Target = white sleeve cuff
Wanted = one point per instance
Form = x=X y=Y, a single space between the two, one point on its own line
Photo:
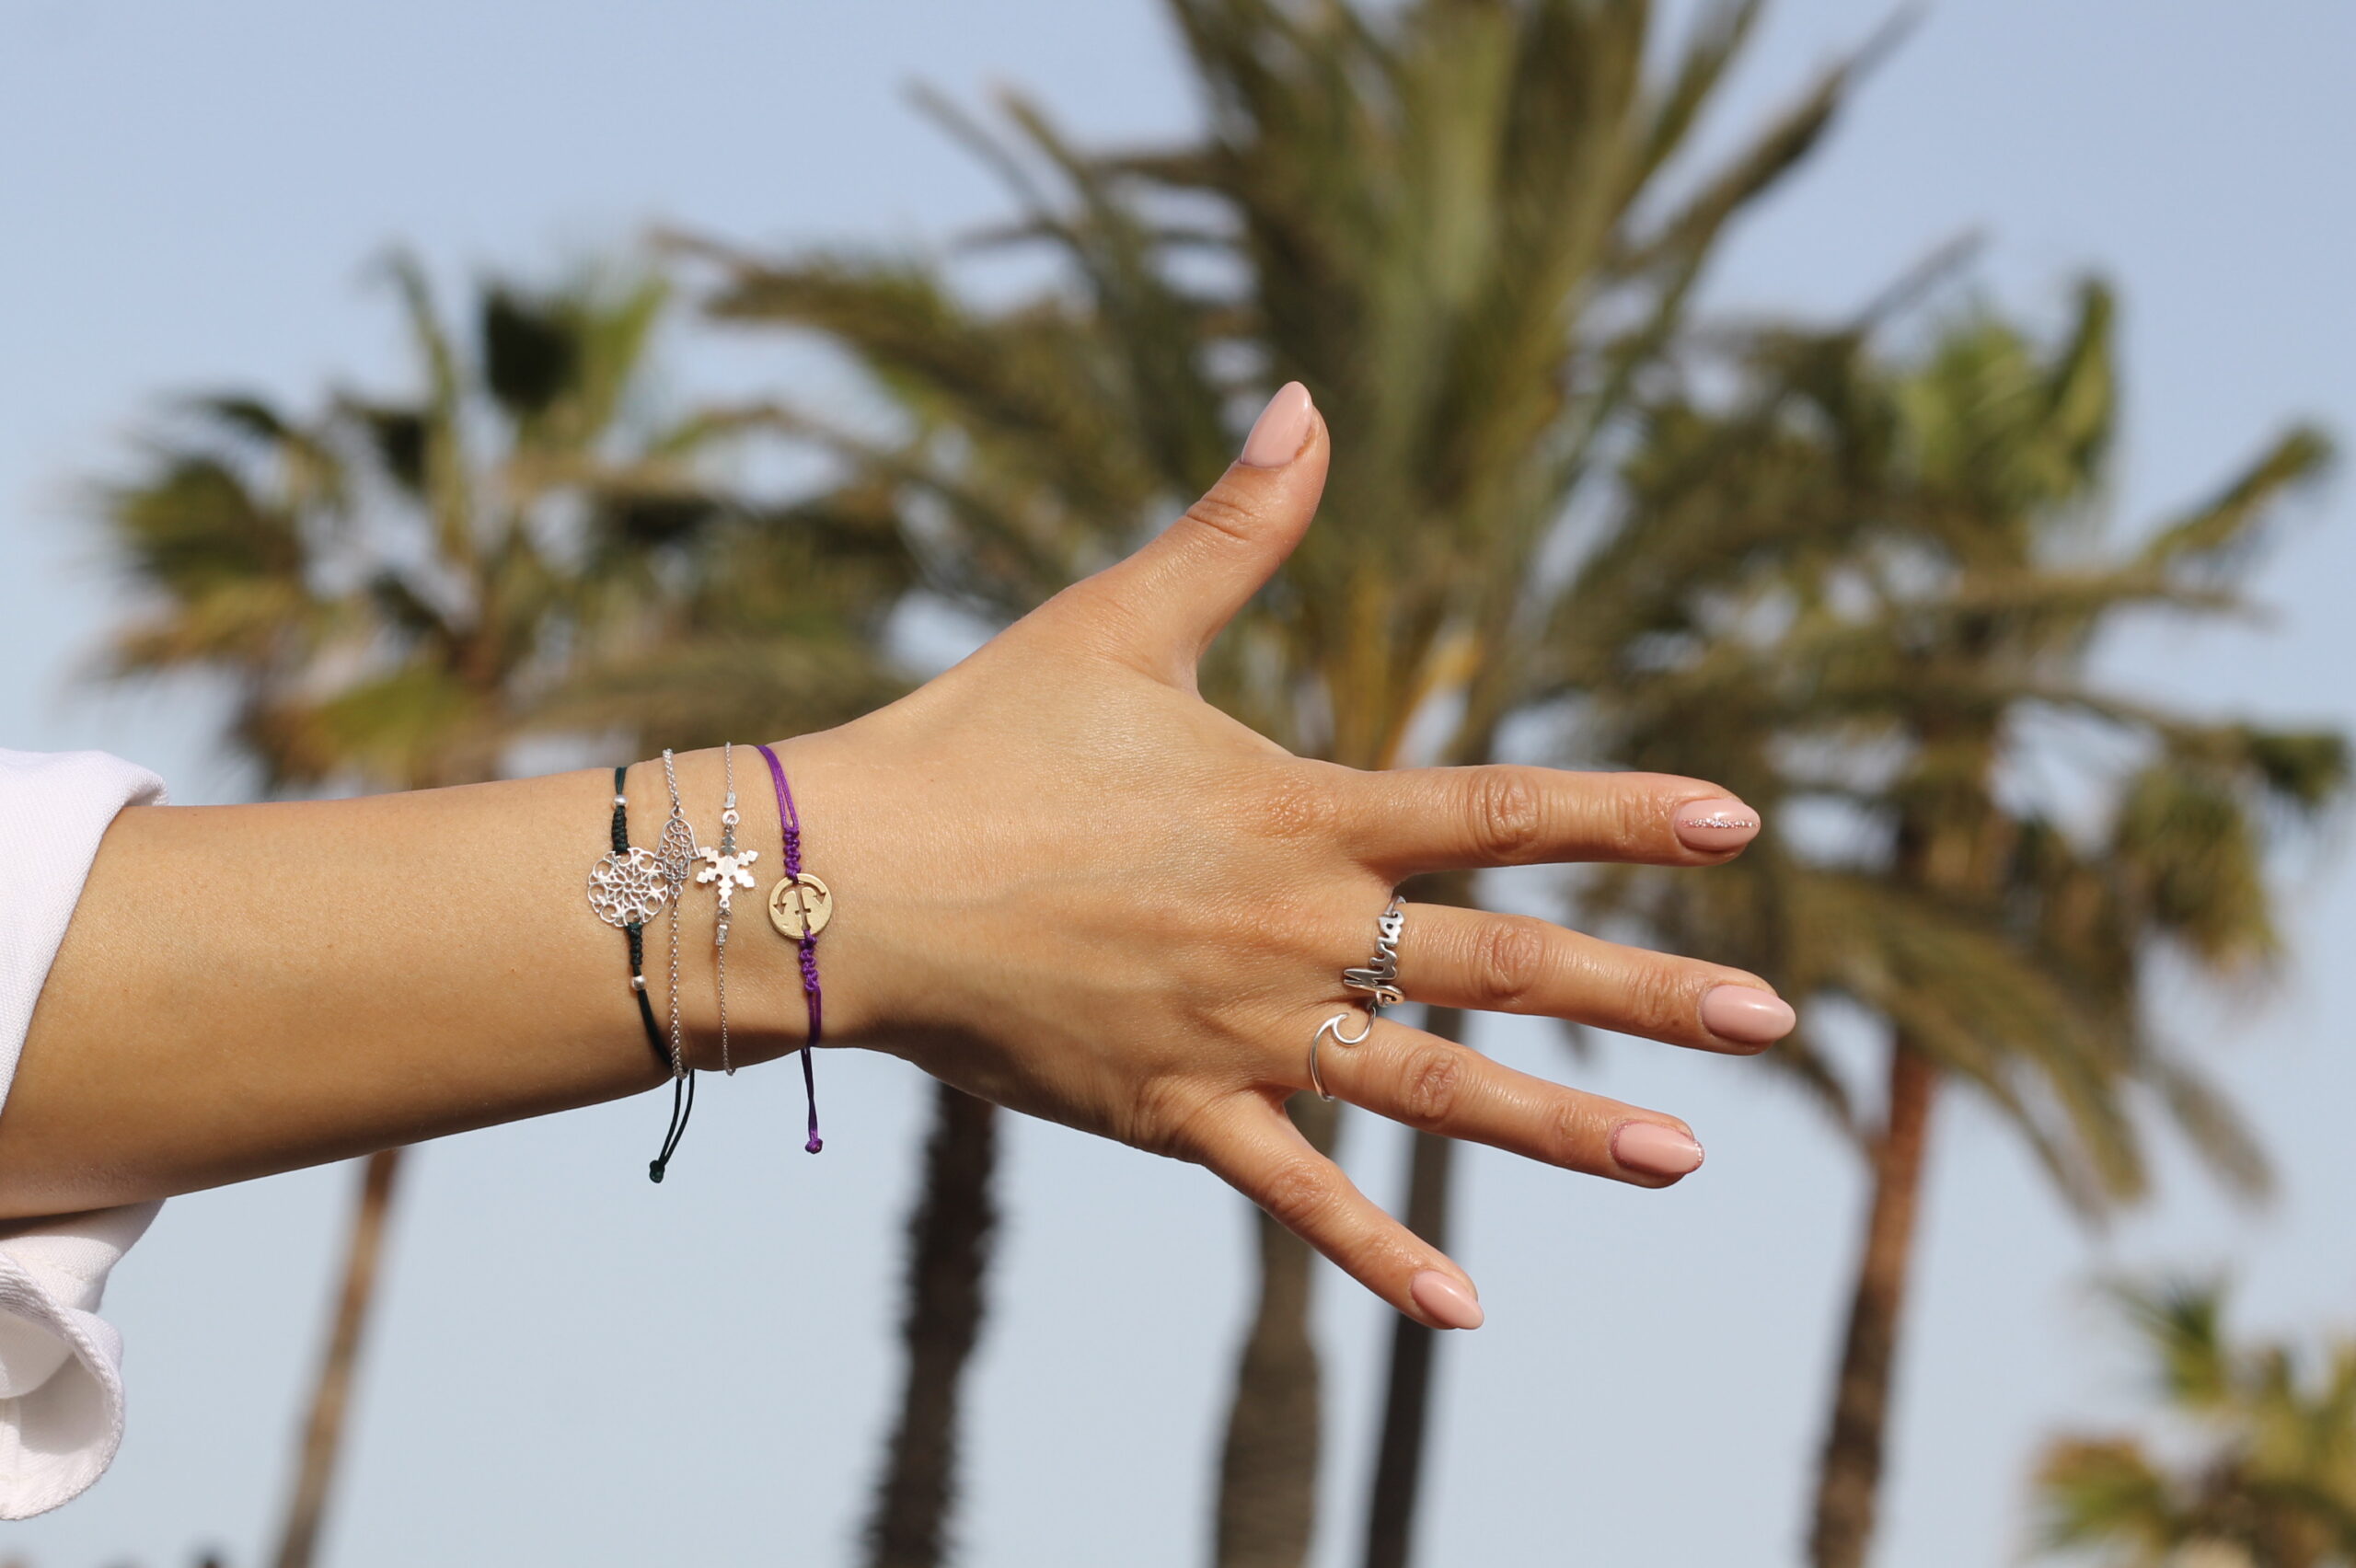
x=61 y=1364
x=60 y=1379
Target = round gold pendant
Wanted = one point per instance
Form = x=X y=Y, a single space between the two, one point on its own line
x=800 y=904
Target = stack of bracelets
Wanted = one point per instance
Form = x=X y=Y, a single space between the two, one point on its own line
x=630 y=886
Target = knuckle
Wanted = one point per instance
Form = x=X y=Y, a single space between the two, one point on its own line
x=1573 y=1138
x=1296 y=1193
x=1224 y=519
x=1299 y=805
x=1661 y=1003
x=1238 y=965
x=1635 y=816
x=1508 y=959
x=1431 y=1082
x=1508 y=816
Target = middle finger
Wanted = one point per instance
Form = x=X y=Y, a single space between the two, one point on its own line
x=1470 y=958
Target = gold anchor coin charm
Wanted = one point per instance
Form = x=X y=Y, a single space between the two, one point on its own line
x=800 y=904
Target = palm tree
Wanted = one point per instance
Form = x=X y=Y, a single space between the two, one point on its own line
x=396 y=590
x=2005 y=844
x=2269 y=1477
x=948 y=1245
x=1468 y=225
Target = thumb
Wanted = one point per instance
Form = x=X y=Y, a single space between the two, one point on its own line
x=1174 y=595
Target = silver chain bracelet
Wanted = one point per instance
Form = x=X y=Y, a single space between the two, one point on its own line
x=724 y=871
x=677 y=851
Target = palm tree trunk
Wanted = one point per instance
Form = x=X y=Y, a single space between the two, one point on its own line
x=331 y=1397
x=1849 y=1483
x=949 y=1246
x=1267 y=1493
x=1406 y=1401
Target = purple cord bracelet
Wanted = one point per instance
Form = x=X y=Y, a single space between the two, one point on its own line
x=791 y=822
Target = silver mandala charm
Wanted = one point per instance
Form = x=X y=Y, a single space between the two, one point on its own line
x=629 y=888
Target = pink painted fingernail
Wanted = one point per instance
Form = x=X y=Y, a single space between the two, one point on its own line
x=1747 y=1015
x=1718 y=823
x=1653 y=1150
x=1445 y=1302
x=1281 y=430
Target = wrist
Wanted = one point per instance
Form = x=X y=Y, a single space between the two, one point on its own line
x=767 y=1007
x=842 y=847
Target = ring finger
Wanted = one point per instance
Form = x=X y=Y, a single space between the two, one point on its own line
x=1438 y=1086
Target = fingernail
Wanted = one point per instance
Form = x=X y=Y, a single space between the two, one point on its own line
x=1282 y=428
x=1746 y=1014
x=1653 y=1150
x=1444 y=1301
x=1720 y=822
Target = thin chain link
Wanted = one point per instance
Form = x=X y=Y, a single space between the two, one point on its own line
x=679 y=849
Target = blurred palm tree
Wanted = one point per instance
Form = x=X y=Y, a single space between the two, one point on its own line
x=1472 y=227
x=2260 y=1470
x=396 y=591
x=1988 y=851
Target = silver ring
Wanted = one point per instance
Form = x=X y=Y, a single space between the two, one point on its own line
x=1379 y=980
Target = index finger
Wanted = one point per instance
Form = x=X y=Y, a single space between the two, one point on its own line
x=1432 y=819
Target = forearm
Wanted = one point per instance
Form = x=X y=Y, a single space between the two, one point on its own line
x=247 y=989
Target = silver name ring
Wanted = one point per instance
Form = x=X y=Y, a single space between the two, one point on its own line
x=1377 y=980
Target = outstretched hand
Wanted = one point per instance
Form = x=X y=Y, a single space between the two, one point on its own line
x=1073 y=887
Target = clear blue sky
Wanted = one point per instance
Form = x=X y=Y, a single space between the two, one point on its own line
x=572 y=1366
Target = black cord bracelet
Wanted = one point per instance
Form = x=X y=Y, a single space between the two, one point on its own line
x=637 y=931
x=624 y=888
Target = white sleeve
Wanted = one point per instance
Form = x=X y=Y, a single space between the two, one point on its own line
x=61 y=1378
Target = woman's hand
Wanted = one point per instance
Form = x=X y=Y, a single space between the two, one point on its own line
x=1069 y=885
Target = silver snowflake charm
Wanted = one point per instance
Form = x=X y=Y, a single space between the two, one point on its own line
x=724 y=871
x=628 y=888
